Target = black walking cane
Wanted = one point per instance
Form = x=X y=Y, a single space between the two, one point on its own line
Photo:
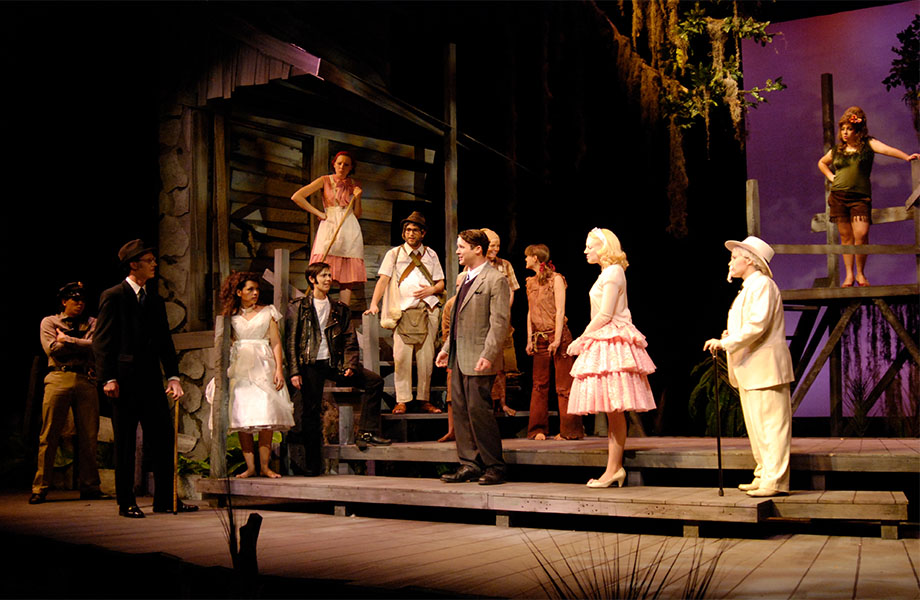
x=715 y=371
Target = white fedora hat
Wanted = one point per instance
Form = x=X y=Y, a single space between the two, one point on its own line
x=757 y=247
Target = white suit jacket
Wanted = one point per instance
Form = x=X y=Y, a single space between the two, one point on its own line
x=758 y=356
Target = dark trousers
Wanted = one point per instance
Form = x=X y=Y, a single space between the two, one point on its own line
x=307 y=432
x=143 y=402
x=479 y=442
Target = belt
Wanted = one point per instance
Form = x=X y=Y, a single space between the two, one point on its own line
x=80 y=370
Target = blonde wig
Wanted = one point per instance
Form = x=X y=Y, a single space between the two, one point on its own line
x=610 y=253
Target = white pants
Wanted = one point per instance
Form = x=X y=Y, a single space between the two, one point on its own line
x=768 y=419
x=424 y=362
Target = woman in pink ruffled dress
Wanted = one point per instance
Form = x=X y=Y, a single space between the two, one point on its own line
x=345 y=251
x=611 y=372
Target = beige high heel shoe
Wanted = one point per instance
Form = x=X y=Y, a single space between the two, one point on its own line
x=619 y=477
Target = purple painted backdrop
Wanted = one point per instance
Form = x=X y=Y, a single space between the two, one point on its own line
x=786 y=139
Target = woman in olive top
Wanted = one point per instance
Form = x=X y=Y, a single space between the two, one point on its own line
x=848 y=166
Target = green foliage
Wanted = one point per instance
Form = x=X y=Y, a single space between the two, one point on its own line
x=905 y=69
x=703 y=398
x=708 y=69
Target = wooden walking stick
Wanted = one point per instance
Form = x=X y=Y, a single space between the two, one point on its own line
x=176 y=457
x=715 y=371
x=339 y=226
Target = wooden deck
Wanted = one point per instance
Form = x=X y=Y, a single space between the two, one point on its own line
x=687 y=505
x=387 y=558
x=815 y=455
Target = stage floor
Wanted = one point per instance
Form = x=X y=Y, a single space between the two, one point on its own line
x=462 y=559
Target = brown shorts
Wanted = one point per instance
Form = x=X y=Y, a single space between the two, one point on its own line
x=848 y=207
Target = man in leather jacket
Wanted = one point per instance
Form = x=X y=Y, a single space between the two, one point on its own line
x=321 y=344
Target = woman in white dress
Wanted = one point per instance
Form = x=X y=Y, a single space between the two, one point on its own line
x=259 y=400
x=611 y=372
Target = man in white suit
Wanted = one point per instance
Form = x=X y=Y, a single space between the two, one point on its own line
x=759 y=364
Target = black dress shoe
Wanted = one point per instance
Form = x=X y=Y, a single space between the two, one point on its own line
x=492 y=477
x=36 y=498
x=132 y=512
x=181 y=507
x=363 y=440
x=464 y=473
x=94 y=495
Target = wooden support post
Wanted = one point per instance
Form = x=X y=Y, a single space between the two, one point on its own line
x=370 y=331
x=451 y=228
x=691 y=529
x=833 y=263
x=818 y=481
x=915 y=204
x=889 y=530
x=341 y=510
x=634 y=478
x=503 y=519
x=282 y=276
x=221 y=204
x=346 y=424
x=319 y=165
x=830 y=136
x=753 y=207
x=835 y=380
x=220 y=407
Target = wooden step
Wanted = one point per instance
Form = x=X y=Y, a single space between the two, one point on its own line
x=815 y=455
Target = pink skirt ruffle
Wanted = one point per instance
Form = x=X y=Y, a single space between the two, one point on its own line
x=344 y=270
x=611 y=373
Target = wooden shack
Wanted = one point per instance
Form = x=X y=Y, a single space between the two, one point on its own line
x=248 y=119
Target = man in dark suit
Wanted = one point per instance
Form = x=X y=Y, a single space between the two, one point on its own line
x=479 y=327
x=132 y=340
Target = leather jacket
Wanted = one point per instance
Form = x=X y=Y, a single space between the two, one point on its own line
x=302 y=328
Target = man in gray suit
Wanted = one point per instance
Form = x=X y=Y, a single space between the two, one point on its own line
x=478 y=328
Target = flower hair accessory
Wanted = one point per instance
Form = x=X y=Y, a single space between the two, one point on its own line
x=854 y=118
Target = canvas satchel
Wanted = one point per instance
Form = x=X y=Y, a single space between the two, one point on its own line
x=391 y=313
x=413 y=326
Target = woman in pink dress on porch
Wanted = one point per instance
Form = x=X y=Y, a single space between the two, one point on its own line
x=344 y=253
x=611 y=372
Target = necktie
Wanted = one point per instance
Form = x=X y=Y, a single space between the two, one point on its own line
x=142 y=297
x=460 y=296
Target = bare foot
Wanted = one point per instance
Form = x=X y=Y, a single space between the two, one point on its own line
x=508 y=410
x=558 y=437
x=246 y=473
x=539 y=436
x=270 y=474
x=848 y=282
x=861 y=281
x=448 y=437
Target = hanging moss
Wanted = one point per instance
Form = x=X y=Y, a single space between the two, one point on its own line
x=676 y=78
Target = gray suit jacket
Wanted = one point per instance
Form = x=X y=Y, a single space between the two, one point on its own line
x=482 y=323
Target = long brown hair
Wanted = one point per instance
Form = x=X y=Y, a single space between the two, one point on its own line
x=545 y=270
x=236 y=281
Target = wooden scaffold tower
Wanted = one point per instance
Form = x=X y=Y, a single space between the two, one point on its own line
x=827 y=308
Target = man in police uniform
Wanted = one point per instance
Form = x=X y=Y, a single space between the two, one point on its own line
x=67 y=338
